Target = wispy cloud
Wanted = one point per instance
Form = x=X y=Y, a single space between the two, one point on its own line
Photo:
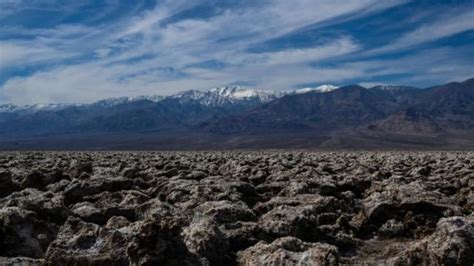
x=446 y=25
x=162 y=50
x=294 y=56
x=9 y=7
x=16 y=54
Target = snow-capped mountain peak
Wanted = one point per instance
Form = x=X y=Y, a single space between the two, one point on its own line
x=11 y=108
x=121 y=100
x=224 y=95
x=236 y=92
x=212 y=97
x=6 y=108
x=226 y=91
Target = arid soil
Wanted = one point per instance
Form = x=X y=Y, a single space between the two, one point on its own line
x=236 y=208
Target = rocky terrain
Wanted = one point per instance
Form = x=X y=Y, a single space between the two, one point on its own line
x=236 y=208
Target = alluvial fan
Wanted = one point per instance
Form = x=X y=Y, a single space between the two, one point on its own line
x=236 y=208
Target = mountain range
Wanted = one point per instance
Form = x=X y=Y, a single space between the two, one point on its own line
x=233 y=117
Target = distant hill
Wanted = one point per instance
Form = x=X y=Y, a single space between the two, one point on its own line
x=233 y=117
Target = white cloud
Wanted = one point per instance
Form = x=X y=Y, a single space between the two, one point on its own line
x=144 y=23
x=133 y=56
x=15 y=54
x=432 y=66
x=10 y=7
x=294 y=56
x=92 y=81
x=445 y=26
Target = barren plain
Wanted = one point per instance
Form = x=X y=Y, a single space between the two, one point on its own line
x=237 y=208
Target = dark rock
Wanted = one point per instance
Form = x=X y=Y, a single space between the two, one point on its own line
x=100 y=207
x=230 y=207
x=22 y=234
x=7 y=186
x=117 y=222
x=33 y=180
x=80 y=243
x=392 y=228
x=48 y=206
x=81 y=170
x=242 y=235
x=226 y=212
x=300 y=222
x=289 y=251
x=204 y=239
x=398 y=201
x=158 y=244
x=38 y=179
x=78 y=189
x=21 y=261
x=451 y=244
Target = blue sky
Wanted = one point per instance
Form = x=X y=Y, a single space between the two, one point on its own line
x=82 y=51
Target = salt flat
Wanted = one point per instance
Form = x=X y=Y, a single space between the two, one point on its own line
x=236 y=207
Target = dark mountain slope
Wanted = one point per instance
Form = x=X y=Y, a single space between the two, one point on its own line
x=451 y=105
x=135 y=116
x=407 y=122
x=342 y=108
x=348 y=117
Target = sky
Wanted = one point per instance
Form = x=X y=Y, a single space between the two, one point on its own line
x=65 y=51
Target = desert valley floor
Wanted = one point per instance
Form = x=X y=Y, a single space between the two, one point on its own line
x=236 y=208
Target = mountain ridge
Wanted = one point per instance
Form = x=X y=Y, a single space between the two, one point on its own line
x=348 y=116
x=232 y=93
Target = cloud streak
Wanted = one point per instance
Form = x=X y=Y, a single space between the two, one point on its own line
x=445 y=26
x=163 y=50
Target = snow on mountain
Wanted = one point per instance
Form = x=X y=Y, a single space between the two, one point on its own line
x=116 y=101
x=8 y=108
x=11 y=108
x=212 y=97
x=239 y=93
x=228 y=95
x=322 y=88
